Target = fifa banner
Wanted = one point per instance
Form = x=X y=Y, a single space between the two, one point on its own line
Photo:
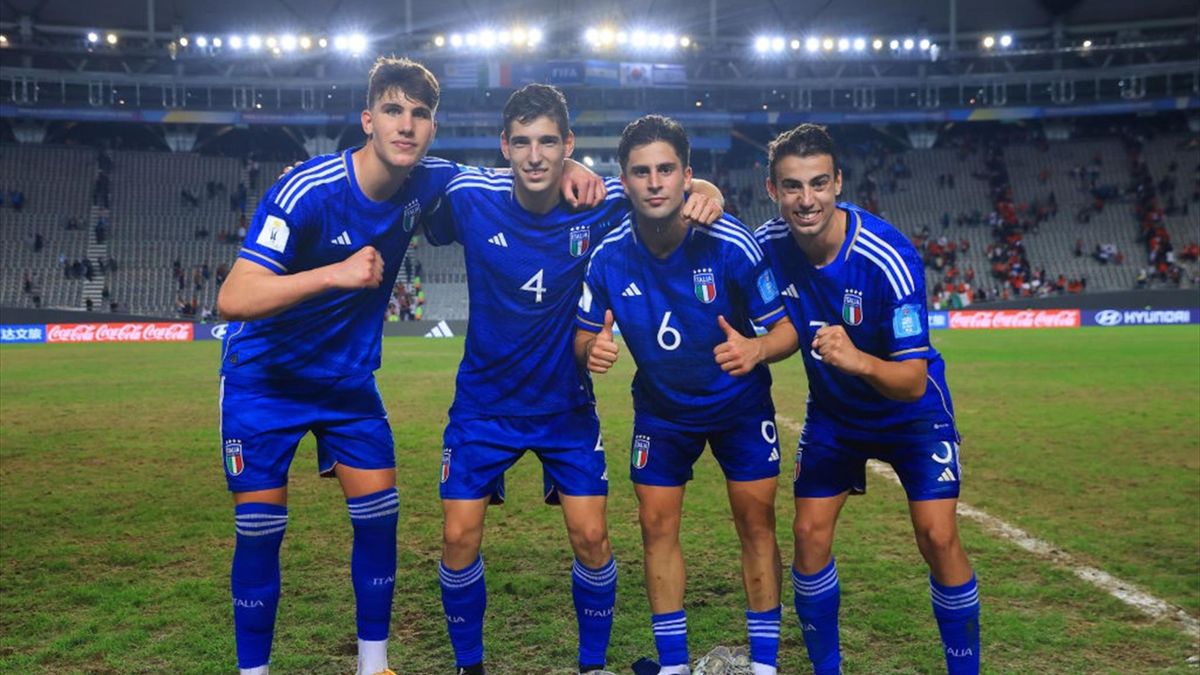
x=1140 y=317
x=120 y=332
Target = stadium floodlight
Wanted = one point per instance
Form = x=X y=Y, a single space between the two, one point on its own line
x=3 y=40
x=272 y=42
x=894 y=44
x=843 y=44
x=685 y=41
x=504 y=37
x=638 y=39
x=305 y=42
x=287 y=42
x=827 y=44
x=622 y=37
x=762 y=44
x=358 y=43
x=699 y=103
x=877 y=44
x=989 y=42
x=201 y=41
x=1087 y=44
x=472 y=39
x=183 y=41
x=254 y=42
x=908 y=44
x=535 y=37
x=341 y=43
x=668 y=41
x=925 y=44
x=93 y=37
x=487 y=38
x=860 y=44
x=1005 y=40
x=111 y=38
x=812 y=44
x=323 y=43
x=777 y=44
x=235 y=41
x=607 y=37
x=592 y=36
x=216 y=42
x=794 y=44
x=456 y=40
x=439 y=40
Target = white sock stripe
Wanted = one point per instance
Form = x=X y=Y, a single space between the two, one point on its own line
x=602 y=575
x=958 y=604
x=384 y=511
x=669 y=625
x=812 y=592
x=763 y=622
x=260 y=533
x=375 y=508
x=597 y=582
x=800 y=583
x=260 y=516
x=974 y=590
x=447 y=573
x=391 y=496
x=460 y=582
x=760 y=634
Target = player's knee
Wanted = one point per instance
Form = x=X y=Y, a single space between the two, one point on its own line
x=757 y=527
x=657 y=524
x=812 y=533
x=462 y=537
x=937 y=541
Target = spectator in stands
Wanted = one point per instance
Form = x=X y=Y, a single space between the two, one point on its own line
x=1079 y=248
x=222 y=272
x=100 y=188
x=189 y=198
x=88 y=304
x=252 y=171
x=201 y=232
x=27 y=284
x=73 y=223
x=111 y=265
x=1105 y=253
x=101 y=231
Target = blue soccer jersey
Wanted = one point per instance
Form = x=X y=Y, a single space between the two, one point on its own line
x=524 y=274
x=875 y=288
x=667 y=311
x=314 y=216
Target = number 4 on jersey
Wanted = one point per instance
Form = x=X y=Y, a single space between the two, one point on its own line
x=534 y=285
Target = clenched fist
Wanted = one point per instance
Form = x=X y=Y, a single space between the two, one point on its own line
x=364 y=269
x=837 y=350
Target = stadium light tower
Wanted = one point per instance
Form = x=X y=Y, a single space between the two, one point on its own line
x=762 y=44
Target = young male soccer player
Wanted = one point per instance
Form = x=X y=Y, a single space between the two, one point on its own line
x=682 y=294
x=306 y=300
x=854 y=287
x=518 y=386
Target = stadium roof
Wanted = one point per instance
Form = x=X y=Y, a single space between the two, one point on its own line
x=735 y=17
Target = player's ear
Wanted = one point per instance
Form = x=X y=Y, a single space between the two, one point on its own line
x=687 y=179
x=504 y=145
x=569 y=143
x=366 y=122
x=771 y=190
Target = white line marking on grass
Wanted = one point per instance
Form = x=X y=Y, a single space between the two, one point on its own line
x=1120 y=589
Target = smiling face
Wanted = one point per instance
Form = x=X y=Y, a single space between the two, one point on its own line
x=537 y=152
x=656 y=181
x=399 y=128
x=806 y=190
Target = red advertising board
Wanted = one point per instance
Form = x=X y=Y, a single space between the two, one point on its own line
x=1014 y=318
x=119 y=332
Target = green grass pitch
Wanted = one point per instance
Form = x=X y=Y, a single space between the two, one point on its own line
x=116 y=531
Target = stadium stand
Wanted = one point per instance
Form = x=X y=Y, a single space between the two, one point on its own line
x=173 y=218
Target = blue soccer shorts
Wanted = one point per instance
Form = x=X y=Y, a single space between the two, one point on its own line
x=477 y=450
x=262 y=422
x=827 y=465
x=663 y=452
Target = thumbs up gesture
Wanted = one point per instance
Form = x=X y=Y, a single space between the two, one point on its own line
x=603 y=350
x=738 y=354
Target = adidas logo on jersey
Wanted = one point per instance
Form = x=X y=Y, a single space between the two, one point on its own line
x=342 y=239
x=791 y=291
x=498 y=240
x=631 y=291
x=947 y=476
x=774 y=455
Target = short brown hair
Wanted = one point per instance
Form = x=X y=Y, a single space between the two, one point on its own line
x=650 y=128
x=533 y=101
x=414 y=79
x=805 y=140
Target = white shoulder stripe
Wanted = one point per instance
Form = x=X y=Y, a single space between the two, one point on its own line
x=291 y=204
x=506 y=179
x=734 y=228
x=301 y=176
x=881 y=242
x=624 y=230
x=455 y=187
x=436 y=161
x=895 y=264
x=736 y=236
x=883 y=266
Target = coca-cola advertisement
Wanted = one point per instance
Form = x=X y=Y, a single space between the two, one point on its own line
x=1014 y=318
x=119 y=332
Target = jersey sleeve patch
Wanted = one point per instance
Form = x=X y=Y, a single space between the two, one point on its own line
x=274 y=234
x=767 y=288
x=906 y=321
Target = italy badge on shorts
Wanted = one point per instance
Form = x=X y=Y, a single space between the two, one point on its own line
x=852 y=307
x=445 y=464
x=234 y=464
x=705 y=284
x=641 y=451
x=581 y=238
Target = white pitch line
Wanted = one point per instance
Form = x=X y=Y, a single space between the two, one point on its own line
x=1120 y=589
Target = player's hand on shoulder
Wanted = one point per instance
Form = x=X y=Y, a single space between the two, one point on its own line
x=287 y=170
x=582 y=189
x=700 y=208
x=364 y=269
x=603 y=350
x=738 y=354
x=838 y=350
